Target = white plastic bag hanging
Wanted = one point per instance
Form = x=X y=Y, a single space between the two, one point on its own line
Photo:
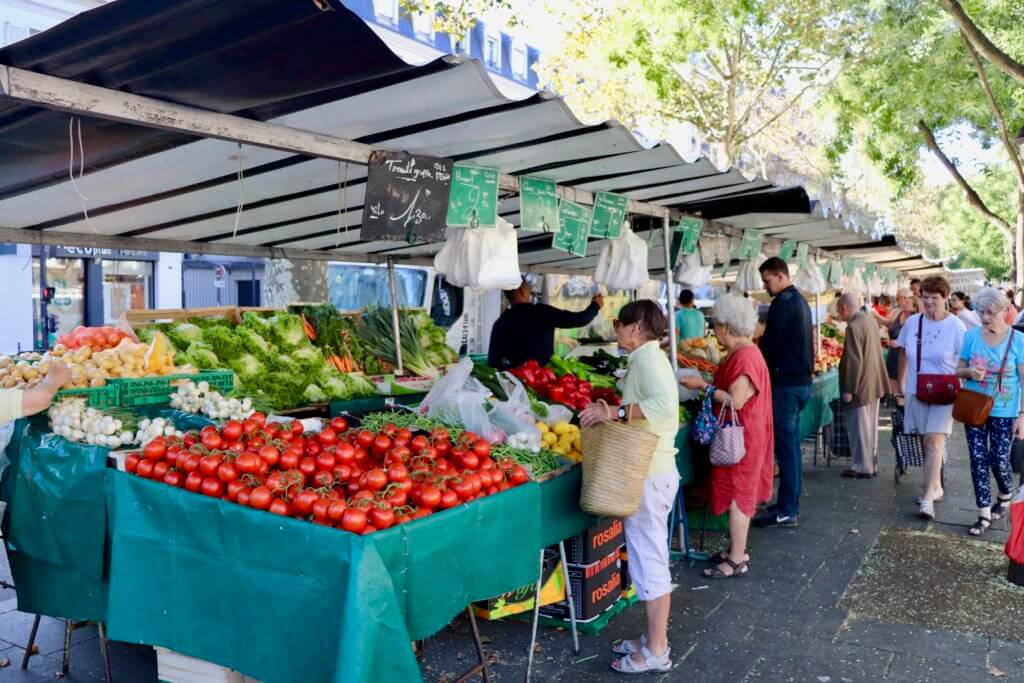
x=623 y=262
x=875 y=286
x=810 y=279
x=691 y=273
x=748 y=279
x=498 y=257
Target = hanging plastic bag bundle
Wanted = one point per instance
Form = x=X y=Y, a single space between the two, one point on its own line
x=622 y=263
x=691 y=272
x=748 y=279
x=481 y=258
x=809 y=279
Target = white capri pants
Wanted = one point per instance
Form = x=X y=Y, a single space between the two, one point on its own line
x=647 y=537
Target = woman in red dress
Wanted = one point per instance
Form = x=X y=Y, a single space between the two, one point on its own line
x=741 y=379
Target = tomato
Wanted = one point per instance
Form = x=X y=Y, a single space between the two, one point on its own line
x=341 y=473
x=160 y=469
x=487 y=463
x=279 y=507
x=390 y=429
x=325 y=461
x=190 y=440
x=365 y=439
x=208 y=465
x=131 y=462
x=382 y=518
x=463 y=488
x=517 y=475
x=323 y=480
x=403 y=434
x=449 y=499
x=361 y=494
x=482 y=448
x=311 y=448
x=503 y=486
x=442 y=465
x=353 y=520
x=286 y=436
x=212 y=487
x=475 y=481
x=430 y=496
x=303 y=502
x=308 y=467
x=247 y=463
x=421 y=513
x=362 y=456
x=155 y=449
x=402 y=519
x=471 y=460
x=320 y=508
x=174 y=478
x=244 y=494
x=376 y=479
x=336 y=510
x=439 y=434
x=180 y=459
x=193 y=482
x=398 y=472
x=296 y=427
x=290 y=458
x=340 y=425
x=345 y=453
x=381 y=445
x=231 y=431
x=233 y=488
x=467 y=438
x=212 y=442
x=418 y=443
x=397 y=497
x=260 y=498
x=443 y=448
x=249 y=426
x=327 y=437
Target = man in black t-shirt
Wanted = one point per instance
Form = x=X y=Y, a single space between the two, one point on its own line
x=526 y=331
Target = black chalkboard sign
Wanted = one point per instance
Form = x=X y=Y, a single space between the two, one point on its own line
x=406 y=197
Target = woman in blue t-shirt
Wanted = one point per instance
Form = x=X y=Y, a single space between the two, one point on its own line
x=981 y=358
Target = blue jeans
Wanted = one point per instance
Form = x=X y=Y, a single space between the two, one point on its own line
x=787 y=402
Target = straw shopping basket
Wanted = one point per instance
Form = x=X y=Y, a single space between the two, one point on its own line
x=615 y=461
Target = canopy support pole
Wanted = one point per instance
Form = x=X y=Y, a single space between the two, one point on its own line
x=666 y=233
x=393 y=286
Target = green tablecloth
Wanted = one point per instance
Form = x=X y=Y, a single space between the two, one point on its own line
x=275 y=598
x=817 y=413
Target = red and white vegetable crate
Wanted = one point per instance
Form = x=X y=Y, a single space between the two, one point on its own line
x=173 y=667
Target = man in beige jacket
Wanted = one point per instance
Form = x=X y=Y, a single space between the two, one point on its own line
x=862 y=381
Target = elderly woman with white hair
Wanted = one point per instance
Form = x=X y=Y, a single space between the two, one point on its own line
x=992 y=363
x=905 y=307
x=741 y=383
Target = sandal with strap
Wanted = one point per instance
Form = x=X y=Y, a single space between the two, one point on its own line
x=980 y=527
x=626 y=647
x=739 y=570
x=723 y=555
x=651 y=663
x=999 y=509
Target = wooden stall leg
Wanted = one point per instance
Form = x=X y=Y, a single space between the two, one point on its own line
x=105 y=649
x=536 y=618
x=569 y=598
x=31 y=642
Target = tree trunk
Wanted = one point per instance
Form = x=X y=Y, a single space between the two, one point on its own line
x=1018 y=243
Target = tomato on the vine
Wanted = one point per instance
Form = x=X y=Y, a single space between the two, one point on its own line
x=260 y=498
x=212 y=487
x=279 y=507
x=131 y=462
x=155 y=449
x=231 y=431
x=174 y=478
x=160 y=468
x=339 y=424
x=353 y=520
x=193 y=482
x=382 y=517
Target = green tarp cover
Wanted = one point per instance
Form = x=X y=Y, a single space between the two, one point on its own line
x=817 y=413
x=560 y=510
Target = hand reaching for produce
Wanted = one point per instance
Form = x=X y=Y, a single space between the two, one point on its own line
x=599 y=300
x=693 y=383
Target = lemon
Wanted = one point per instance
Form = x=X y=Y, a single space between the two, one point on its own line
x=543 y=427
x=549 y=439
x=562 y=428
x=558 y=449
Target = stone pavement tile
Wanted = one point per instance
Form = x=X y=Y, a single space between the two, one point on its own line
x=15 y=628
x=41 y=669
x=963 y=649
x=798 y=668
x=841 y=656
x=912 y=669
x=1008 y=657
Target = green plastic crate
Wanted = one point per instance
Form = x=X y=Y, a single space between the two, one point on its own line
x=96 y=397
x=148 y=391
x=361 y=406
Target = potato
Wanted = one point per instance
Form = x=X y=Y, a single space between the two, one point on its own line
x=97 y=382
x=5 y=361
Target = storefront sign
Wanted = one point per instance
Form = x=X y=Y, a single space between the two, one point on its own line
x=406 y=197
x=100 y=253
x=473 y=200
x=573 y=228
x=609 y=212
x=538 y=204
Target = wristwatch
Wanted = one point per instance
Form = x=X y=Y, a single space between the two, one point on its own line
x=622 y=412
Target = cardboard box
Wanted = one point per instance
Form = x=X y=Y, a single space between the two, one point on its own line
x=521 y=600
x=595 y=588
x=595 y=543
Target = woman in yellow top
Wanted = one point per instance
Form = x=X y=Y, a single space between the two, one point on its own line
x=649 y=399
x=15 y=403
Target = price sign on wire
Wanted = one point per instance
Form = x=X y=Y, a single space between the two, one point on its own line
x=609 y=212
x=538 y=204
x=734 y=250
x=750 y=247
x=691 y=229
x=786 y=252
x=836 y=274
x=849 y=266
x=801 y=255
x=406 y=197
x=473 y=199
x=573 y=228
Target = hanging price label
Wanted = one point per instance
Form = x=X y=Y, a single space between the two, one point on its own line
x=573 y=228
x=786 y=252
x=734 y=250
x=836 y=274
x=849 y=266
x=691 y=229
x=609 y=212
x=750 y=247
x=801 y=255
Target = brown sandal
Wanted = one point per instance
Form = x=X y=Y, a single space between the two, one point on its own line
x=738 y=571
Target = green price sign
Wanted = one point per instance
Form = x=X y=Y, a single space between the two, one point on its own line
x=836 y=274
x=691 y=229
x=786 y=253
x=473 y=199
x=801 y=255
x=573 y=228
x=609 y=212
x=538 y=204
x=750 y=247
x=849 y=266
x=734 y=250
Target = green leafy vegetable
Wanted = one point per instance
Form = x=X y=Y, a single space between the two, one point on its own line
x=286 y=330
x=202 y=356
x=184 y=334
x=249 y=370
x=253 y=342
x=224 y=341
x=314 y=394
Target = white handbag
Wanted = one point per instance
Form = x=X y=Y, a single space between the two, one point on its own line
x=728 y=446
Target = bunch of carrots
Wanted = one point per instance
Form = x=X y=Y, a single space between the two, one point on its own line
x=340 y=363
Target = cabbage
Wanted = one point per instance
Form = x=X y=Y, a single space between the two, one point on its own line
x=255 y=344
x=314 y=394
x=223 y=341
x=202 y=356
x=309 y=358
x=286 y=330
x=359 y=386
x=336 y=388
x=185 y=334
x=257 y=323
x=249 y=370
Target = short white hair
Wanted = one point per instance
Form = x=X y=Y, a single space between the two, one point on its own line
x=850 y=300
x=990 y=299
x=736 y=313
x=905 y=292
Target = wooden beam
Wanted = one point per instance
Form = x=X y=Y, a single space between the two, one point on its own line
x=90 y=100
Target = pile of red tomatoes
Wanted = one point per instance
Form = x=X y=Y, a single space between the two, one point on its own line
x=350 y=479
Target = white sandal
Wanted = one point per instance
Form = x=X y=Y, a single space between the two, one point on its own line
x=626 y=647
x=651 y=663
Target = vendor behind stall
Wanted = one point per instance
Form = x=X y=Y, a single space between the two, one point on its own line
x=690 y=323
x=526 y=331
x=15 y=403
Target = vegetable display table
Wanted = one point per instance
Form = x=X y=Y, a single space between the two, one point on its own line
x=229 y=584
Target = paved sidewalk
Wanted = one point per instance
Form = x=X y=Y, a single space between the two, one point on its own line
x=783 y=622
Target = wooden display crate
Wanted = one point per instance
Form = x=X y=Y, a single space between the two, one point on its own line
x=233 y=313
x=173 y=667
